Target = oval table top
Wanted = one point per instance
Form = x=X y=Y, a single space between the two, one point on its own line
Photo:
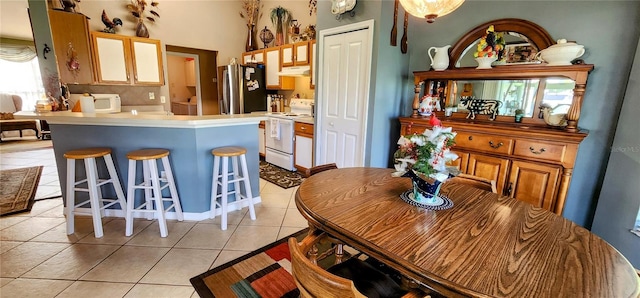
x=486 y=245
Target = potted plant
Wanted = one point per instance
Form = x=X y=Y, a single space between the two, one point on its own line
x=280 y=18
x=251 y=11
x=423 y=158
x=518 y=115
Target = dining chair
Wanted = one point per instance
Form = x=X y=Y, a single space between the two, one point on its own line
x=320 y=168
x=351 y=278
x=475 y=181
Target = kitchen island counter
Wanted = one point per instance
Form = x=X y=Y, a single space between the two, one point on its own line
x=143 y=119
x=190 y=140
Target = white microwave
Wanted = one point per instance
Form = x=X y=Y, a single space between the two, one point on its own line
x=103 y=103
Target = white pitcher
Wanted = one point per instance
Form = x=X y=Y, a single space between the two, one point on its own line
x=441 y=60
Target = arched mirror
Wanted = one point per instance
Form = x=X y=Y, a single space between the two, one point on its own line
x=523 y=40
x=523 y=86
x=521 y=36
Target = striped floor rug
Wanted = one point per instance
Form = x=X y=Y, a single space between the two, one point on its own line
x=18 y=189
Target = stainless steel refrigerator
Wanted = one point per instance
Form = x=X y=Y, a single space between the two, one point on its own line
x=243 y=89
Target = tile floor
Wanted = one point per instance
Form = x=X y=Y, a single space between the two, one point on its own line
x=38 y=259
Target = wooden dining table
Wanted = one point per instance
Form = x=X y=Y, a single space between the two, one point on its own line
x=486 y=245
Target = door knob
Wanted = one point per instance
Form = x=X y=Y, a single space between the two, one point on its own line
x=330 y=123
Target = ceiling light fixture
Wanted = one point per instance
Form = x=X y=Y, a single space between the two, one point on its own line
x=430 y=9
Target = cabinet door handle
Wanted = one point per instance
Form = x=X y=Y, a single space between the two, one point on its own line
x=128 y=77
x=509 y=189
x=533 y=150
x=495 y=146
x=470 y=138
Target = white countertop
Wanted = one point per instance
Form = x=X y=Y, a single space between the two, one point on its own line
x=143 y=119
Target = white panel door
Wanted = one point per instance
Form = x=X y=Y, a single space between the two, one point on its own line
x=345 y=74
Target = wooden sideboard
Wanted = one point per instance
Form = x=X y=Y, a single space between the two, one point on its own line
x=529 y=163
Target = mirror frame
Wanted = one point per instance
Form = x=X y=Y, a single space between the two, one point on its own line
x=539 y=37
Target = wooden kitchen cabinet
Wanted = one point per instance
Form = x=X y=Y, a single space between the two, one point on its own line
x=256 y=56
x=273 y=65
x=295 y=54
x=190 y=72
x=303 y=146
x=261 y=139
x=126 y=60
x=70 y=34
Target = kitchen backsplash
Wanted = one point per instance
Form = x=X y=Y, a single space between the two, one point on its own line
x=129 y=95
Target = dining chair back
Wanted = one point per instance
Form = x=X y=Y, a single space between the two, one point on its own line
x=314 y=281
x=321 y=168
x=475 y=181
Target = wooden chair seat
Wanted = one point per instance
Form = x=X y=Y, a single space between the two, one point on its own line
x=352 y=278
x=87 y=153
x=147 y=154
x=475 y=181
x=229 y=151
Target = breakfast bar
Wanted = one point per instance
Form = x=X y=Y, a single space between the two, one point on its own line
x=189 y=139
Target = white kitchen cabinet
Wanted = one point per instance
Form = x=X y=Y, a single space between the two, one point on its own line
x=261 y=139
x=303 y=152
x=273 y=65
x=256 y=56
x=190 y=72
x=125 y=60
x=295 y=54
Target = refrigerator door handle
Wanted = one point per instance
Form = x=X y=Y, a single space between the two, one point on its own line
x=225 y=93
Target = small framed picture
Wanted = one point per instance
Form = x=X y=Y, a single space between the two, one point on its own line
x=521 y=53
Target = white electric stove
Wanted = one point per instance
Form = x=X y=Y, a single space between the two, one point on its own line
x=279 y=129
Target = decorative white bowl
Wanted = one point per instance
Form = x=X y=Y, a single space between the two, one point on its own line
x=561 y=53
x=485 y=62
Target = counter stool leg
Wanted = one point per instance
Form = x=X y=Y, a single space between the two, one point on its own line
x=131 y=191
x=237 y=194
x=113 y=175
x=157 y=197
x=214 y=186
x=96 y=203
x=177 y=207
x=148 y=194
x=247 y=186
x=71 y=200
x=225 y=192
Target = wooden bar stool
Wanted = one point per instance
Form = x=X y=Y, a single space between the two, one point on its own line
x=221 y=180
x=152 y=185
x=94 y=184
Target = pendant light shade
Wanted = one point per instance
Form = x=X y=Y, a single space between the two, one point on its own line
x=430 y=9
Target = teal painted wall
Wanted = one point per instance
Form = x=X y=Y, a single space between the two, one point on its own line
x=609 y=30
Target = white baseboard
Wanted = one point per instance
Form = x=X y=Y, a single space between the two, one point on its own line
x=171 y=214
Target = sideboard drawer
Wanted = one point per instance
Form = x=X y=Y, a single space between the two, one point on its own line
x=542 y=150
x=486 y=143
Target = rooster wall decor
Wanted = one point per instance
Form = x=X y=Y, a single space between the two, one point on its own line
x=110 y=24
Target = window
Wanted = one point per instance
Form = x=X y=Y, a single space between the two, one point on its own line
x=636 y=227
x=22 y=79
